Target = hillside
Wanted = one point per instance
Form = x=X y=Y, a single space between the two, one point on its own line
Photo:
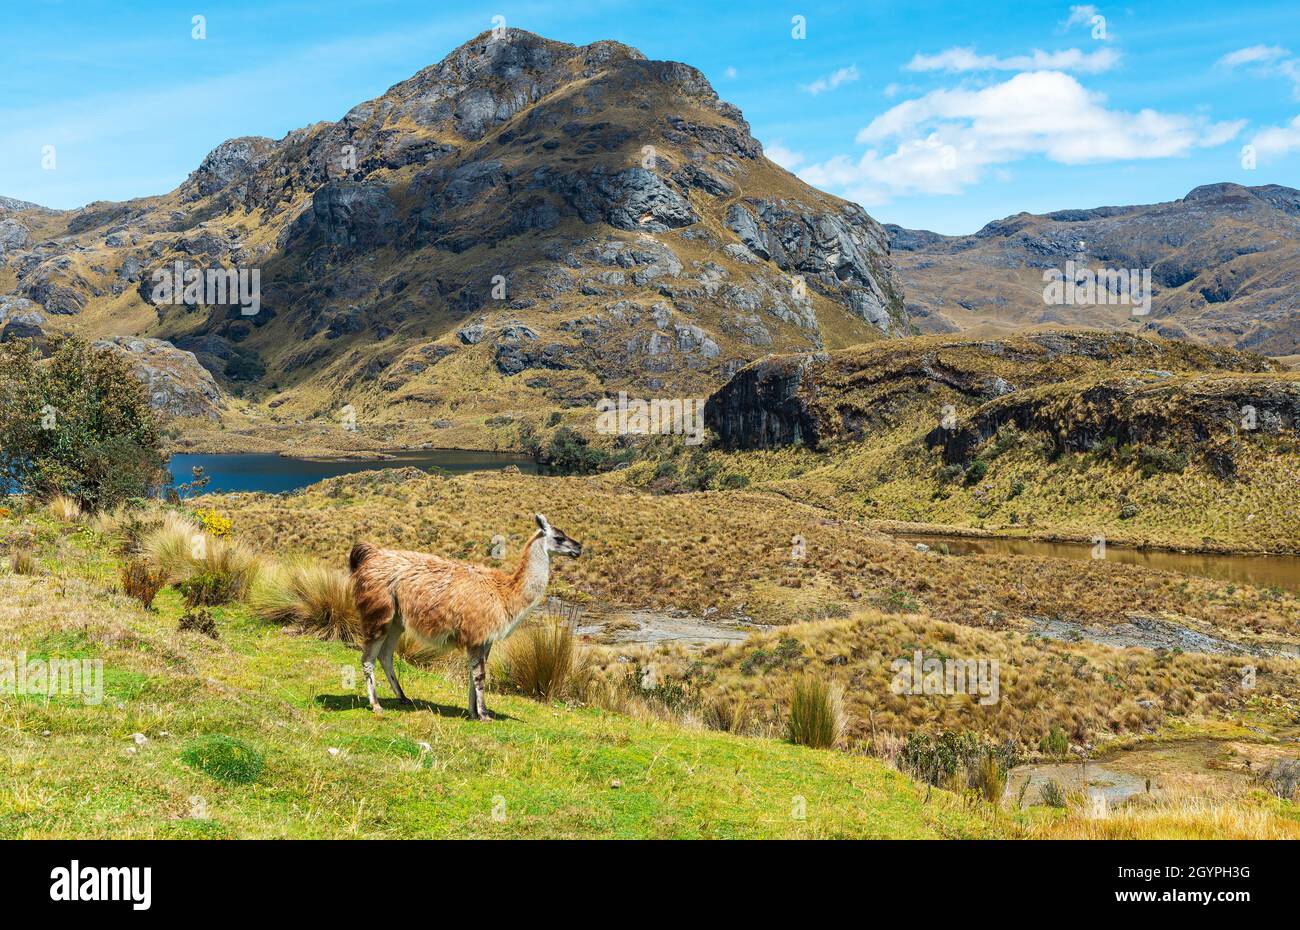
x=1056 y=434
x=327 y=767
x=1224 y=262
x=476 y=255
x=256 y=730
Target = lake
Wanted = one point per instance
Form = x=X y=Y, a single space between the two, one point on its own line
x=276 y=473
x=1282 y=571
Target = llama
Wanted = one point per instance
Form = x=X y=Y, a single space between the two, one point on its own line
x=443 y=601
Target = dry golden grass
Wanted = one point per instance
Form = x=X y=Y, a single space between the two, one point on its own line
x=63 y=508
x=306 y=593
x=734 y=552
x=543 y=660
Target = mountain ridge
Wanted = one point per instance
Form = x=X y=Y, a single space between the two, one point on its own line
x=1224 y=262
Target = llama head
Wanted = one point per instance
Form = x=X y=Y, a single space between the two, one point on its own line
x=556 y=540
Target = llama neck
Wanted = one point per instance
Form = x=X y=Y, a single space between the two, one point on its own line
x=532 y=575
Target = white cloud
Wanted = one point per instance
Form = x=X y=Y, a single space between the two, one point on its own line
x=1276 y=141
x=831 y=81
x=1255 y=54
x=946 y=140
x=786 y=158
x=966 y=59
x=1266 y=61
x=1089 y=17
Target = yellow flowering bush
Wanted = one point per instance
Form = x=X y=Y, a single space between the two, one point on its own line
x=213 y=522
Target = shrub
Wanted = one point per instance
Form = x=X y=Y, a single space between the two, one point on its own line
x=198 y=621
x=221 y=571
x=78 y=424
x=950 y=473
x=816 y=713
x=1054 y=743
x=213 y=522
x=976 y=471
x=569 y=453
x=1281 y=777
x=1152 y=460
x=542 y=661
x=224 y=758
x=308 y=594
x=1052 y=794
x=726 y=712
x=142 y=581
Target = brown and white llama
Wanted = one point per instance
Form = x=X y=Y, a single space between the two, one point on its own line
x=443 y=601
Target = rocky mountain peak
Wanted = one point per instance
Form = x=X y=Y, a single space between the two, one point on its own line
x=601 y=221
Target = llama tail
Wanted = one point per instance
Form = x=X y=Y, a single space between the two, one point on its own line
x=360 y=552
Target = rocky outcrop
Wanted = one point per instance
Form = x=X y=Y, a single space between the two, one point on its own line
x=347 y=214
x=174 y=381
x=1035 y=382
x=20 y=319
x=765 y=405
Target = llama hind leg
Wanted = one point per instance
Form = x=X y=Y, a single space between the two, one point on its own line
x=368 y=655
x=387 y=646
x=480 y=680
x=473 y=693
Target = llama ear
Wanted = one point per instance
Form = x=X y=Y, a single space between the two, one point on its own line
x=541 y=523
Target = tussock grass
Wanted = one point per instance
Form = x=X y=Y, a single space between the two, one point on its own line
x=816 y=713
x=543 y=661
x=308 y=594
x=23 y=562
x=63 y=508
x=208 y=570
x=173 y=547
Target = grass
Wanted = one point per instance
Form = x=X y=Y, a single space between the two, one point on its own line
x=331 y=769
x=305 y=593
x=263 y=733
x=816 y=713
x=542 y=661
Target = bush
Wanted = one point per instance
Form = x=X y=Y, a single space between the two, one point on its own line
x=142 y=581
x=224 y=758
x=976 y=471
x=1052 y=794
x=78 y=424
x=1054 y=743
x=816 y=713
x=213 y=522
x=1281 y=777
x=198 y=621
x=569 y=453
x=221 y=571
x=726 y=712
x=950 y=473
x=308 y=594
x=542 y=661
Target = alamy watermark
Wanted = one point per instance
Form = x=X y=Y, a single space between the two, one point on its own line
x=194 y=287
x=1079 y=285
x=48 y=677
x=918 y=675
x=677 y=416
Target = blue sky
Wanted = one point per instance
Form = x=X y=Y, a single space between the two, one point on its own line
x=933 y=115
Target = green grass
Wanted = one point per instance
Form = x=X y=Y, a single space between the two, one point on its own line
x=213 y=710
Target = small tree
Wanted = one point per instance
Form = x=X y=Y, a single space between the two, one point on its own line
x=76 y=424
